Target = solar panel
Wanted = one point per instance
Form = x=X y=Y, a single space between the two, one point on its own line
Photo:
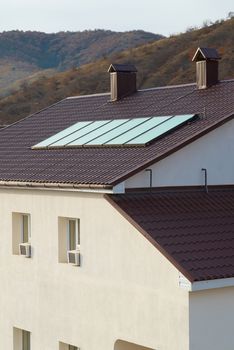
x=117 y=132
x=98 y=132
x=158 y=130
x=60 y=135
x=123 y=127
x=141 y=128
x=80 y=132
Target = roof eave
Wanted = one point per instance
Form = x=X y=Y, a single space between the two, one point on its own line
x=212 y=284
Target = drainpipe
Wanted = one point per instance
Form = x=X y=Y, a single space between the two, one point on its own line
x=205 y=172
x=150 y=176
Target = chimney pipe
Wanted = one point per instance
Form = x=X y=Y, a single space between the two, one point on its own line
x=207 y=67
x=122 y=80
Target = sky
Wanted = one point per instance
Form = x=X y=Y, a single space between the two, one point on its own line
x=158 y=16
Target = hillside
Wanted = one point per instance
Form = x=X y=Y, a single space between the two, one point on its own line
x=163 y=62
x=30 y=54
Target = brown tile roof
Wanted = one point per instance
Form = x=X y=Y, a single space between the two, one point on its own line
x=108 y=166
x=193 y=229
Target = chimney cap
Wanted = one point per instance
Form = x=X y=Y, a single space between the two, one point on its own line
x=125 y=68
x=205 y=53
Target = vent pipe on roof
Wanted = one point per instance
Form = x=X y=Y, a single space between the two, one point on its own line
x=207 y=67
x=122 y=80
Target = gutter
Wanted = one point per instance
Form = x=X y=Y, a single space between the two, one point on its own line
x=57 y=186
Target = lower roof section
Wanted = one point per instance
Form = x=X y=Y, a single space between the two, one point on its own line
x=192 y=228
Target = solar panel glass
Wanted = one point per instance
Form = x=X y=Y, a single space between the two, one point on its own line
x=76 y=135
x=159 y=130
x=60 y=135
x=132 y=133
x=131 y=123
x=95 y=134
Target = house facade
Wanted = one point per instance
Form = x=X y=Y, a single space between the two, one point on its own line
x=117 y=219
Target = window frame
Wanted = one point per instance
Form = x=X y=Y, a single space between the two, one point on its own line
x=66 y=346
x=77 y=234
x=64 y=242
x=20 y=230
x=72 y=347
x=26 y=340
x=21 y=339
x=22 y=234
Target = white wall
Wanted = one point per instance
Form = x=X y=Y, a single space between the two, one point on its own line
x=125 y=289
x=212 y=319
x=213 y=151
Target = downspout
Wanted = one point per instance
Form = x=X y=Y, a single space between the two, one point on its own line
x=150 y=176
x=205 y=172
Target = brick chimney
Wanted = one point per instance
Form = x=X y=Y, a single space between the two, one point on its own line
x=122 y=80
x=207 y=67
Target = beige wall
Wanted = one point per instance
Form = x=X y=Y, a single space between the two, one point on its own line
x=212 y=319
x=125 y=289
x=183 y=168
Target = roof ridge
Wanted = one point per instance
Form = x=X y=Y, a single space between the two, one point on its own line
x=165 y=87
x=227 y=80
x=145 y=90
x=179 y=85
x=89 y=95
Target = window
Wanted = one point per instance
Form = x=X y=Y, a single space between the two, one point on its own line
x=25 y=340
x=64 y=346
x=73 y=236
x=72 y=347
x=21 y=339
x=68 y=237
x=25 y=229
x=21 y=231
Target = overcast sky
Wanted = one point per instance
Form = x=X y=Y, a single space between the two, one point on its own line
x=158 y=16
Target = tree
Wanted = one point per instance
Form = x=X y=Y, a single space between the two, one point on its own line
x=230 y=14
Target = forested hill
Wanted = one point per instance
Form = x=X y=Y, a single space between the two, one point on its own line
x=64 y=50
x=163 y=62
x=28 y=55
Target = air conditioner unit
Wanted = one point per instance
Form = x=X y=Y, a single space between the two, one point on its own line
x=73 y=257
x=25 y=249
